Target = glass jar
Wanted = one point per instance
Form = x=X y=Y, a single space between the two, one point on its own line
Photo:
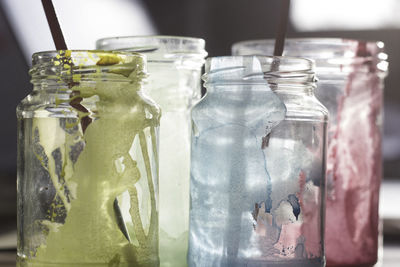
x=87 y=162
x=350 y=77
x=174 y=65
x=258 y=165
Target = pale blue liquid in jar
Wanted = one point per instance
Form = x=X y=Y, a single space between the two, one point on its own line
x=257 y=165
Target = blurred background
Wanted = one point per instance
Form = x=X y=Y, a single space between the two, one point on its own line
x=24 y=30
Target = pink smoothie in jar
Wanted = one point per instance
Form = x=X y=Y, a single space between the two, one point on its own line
x=354 y=169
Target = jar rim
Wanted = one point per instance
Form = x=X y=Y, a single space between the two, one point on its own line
x=310 y=41
x=306 y=63
x=320 y=40
x=150 y=43
x=80 y=53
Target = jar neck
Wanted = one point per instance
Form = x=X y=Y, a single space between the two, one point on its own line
x=333 y=57
x=68 y=84
x=183 y=52
x=244 y=89
x=260 y=74
x=296 y=90
x=68 y=71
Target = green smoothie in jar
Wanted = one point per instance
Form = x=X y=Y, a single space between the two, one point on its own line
x=87 y=163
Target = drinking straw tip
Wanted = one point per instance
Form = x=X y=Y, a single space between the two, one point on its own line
x=282 y=28
x=54 y=25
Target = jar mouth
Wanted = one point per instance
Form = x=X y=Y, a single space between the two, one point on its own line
x=86 y=64
x=157 y=47
x=314 y=48
x=259 y=70
x=327 y=52
x=85 y=57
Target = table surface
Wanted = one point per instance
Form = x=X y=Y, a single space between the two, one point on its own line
x=391 y=256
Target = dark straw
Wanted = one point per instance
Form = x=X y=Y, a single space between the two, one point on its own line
x=281 y=32
x=55 y=29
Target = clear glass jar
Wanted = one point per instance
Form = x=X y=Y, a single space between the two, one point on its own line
x=258 y=165
x=174 y=65
x=87 y=162
x=350 y=85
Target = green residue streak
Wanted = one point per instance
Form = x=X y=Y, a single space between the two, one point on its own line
x=90 y=233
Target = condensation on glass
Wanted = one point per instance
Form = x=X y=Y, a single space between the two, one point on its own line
x=258 y=165
x=174 y=65
x=350 y=77
x=87 y=162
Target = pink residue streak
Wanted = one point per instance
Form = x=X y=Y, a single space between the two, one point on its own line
x=309 y=199
x=354 y=174
x=305 y=231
